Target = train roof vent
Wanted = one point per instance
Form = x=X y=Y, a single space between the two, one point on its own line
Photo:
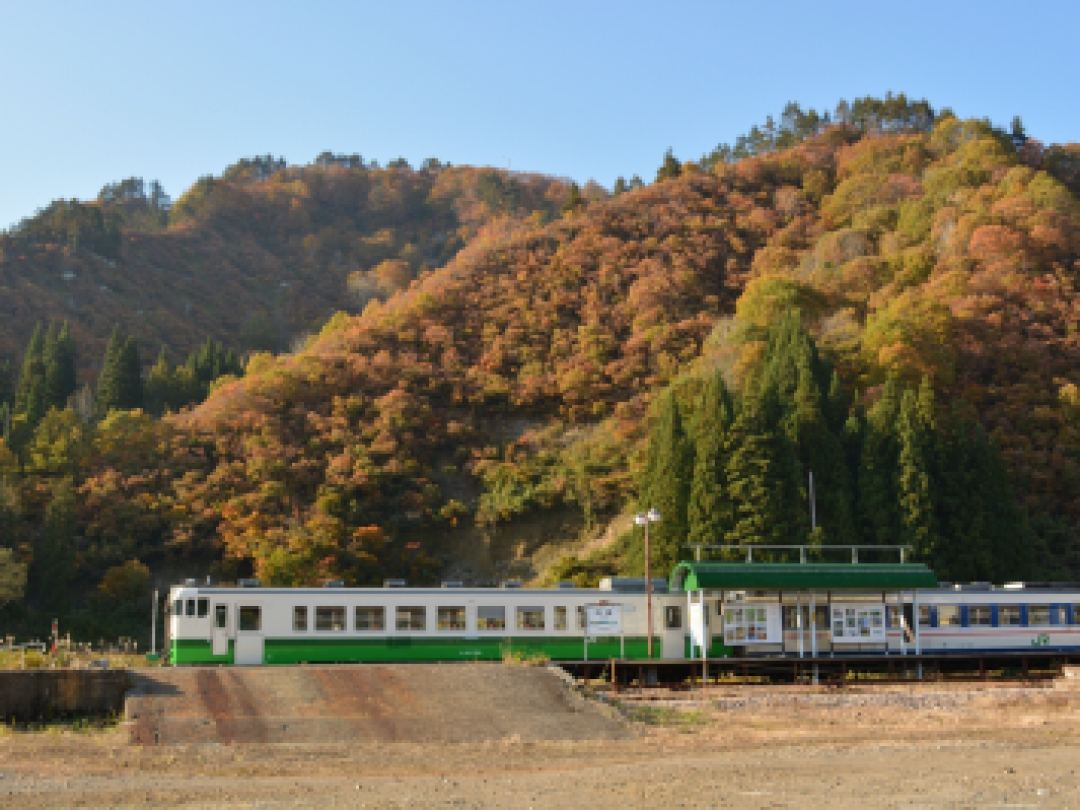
x=334 y=583
x=457 y=583
x=395 y=583
x=191 y=582
x=511 y=583
x=633 y=584
x=566 y=584
x=248 y=583
x=1013 y=586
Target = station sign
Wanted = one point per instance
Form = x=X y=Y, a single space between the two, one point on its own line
x=603 y=620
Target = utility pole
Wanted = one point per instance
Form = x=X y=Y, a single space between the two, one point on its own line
x=644 y=519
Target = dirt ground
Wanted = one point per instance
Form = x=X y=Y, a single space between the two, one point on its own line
x=995 y=751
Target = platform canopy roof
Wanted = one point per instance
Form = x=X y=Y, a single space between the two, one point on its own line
x=739 y=576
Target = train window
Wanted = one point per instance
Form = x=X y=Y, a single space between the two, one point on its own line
x=1039 y=614
x=204 y=608
x=299 y=619
x=673 y=617
x=1062 y=614
x=250 y=619
x=178 y=607
x=560 y=618
x=329 y=619
x=491 y=617
x=190 y=607
x=221 y=616
x=370 y=618
x=411 y=618
x=978 y=615
x=948 y=616
x=1076 y=614
x=580 y=617
x=1008 y=615
x=924 y=616
x=451 y=618
x=530 y=618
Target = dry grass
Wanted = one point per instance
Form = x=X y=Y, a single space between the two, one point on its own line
x=994 y=751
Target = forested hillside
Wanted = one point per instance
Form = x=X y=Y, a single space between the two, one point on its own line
x=886 y=298
x=256 y=258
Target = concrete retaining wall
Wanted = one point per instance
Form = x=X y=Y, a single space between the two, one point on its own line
x=33 y=694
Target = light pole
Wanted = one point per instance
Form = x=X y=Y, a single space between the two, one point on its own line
x=644 y=519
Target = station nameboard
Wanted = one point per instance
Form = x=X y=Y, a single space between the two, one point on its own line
x=603 y=620
x=854 y=623
x=759 y=624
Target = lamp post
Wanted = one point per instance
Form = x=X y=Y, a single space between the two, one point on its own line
x=644 y=519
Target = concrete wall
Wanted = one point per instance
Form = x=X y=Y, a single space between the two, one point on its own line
x=31 y=694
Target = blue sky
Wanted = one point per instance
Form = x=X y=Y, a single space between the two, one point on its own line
x=96 y=92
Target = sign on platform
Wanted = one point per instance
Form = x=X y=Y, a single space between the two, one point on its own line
x=852 y=624
x=603 y=620
x=752 y=625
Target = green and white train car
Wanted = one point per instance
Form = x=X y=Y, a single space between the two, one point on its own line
x=256 y=625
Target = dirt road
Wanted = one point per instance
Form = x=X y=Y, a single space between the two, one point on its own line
x=992 y=752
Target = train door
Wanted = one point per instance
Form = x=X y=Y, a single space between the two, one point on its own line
x=673 y=634
x=221 y=629
x=249 y=634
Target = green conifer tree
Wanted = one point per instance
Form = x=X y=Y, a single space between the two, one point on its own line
x=120 y=381
x=667 y=479
x=670 y=167
x=878 y=509
x=913 y=485
x=59 y=361
x=160 y=384
x=1009 y=538
x=31 y=402
x=574 y=201
x=755 y=479
x=131 y=387
x=709 y=516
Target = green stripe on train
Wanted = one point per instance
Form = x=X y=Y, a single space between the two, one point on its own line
x=320 y=650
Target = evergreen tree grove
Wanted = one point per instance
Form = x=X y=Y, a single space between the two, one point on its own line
x=903 y=474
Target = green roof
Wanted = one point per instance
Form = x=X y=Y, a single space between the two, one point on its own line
x=715 y=576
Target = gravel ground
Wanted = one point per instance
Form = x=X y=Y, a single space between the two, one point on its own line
x=995 y=750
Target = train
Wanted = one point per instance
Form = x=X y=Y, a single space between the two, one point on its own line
x=754 y=609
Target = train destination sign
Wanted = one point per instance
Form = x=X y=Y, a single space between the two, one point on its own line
x=854 y=623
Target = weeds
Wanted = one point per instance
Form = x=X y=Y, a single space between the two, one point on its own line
x=666 y=716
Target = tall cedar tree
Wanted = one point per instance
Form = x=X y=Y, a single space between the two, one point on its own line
x=757 y=463
x=31 y=401
x=7 y=383
x=878 y=505
x=668 y=471
x=120 y=383
x=913 y=483
x=59 y=361
x=709 y=515
x=820 y=453
x=670 y=168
